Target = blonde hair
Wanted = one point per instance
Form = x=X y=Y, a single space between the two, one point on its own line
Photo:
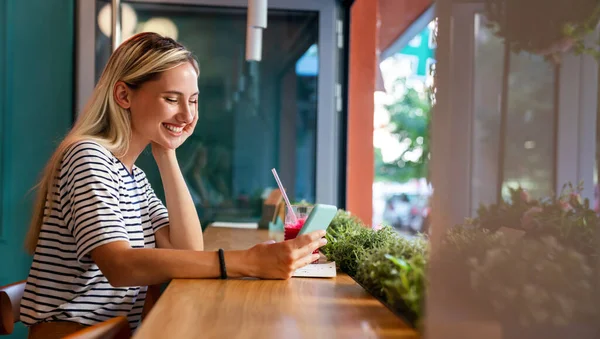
x=141 y=58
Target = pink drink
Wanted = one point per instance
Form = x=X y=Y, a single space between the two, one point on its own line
x=291 y=229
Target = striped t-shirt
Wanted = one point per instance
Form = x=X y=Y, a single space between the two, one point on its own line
x=98 y=201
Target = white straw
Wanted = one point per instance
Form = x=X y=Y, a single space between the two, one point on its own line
x=285 y=197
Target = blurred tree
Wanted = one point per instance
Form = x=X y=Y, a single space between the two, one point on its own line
x=410 y=115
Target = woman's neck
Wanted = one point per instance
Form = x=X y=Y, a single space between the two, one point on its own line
x=136 y=147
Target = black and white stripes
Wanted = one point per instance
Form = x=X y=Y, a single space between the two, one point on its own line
x=97 y=202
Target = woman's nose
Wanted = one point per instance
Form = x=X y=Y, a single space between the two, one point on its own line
x=186 y=116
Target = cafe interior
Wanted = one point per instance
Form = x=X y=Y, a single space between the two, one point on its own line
x=286 y=123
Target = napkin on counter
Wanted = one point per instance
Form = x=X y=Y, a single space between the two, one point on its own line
x=320 y=270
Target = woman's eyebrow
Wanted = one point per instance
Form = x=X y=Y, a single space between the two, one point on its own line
x=178 y=93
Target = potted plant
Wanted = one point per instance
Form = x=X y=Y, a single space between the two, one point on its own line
x=527 y=264
x=543 y=28
x=390 y=268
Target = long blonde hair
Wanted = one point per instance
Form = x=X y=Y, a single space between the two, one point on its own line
x=139 y=59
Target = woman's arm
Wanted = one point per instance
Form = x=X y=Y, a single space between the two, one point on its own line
x=184 y=230
x=126 y=266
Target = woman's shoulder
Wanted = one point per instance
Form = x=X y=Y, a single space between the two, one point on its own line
x=87 y=148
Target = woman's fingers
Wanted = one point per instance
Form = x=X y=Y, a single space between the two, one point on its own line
x=306 y=239
x=310 y=247
x=305 y=261
x=268 y=242
x=289 y=255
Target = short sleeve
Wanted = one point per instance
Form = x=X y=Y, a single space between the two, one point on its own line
x=89 y=189
x=159 y=216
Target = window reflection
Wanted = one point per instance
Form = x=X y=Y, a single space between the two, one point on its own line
x=531 y=118
x=487 y=91
x=528 y=146
x=252 y=116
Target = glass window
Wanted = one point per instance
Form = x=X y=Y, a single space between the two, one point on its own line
x=530 y=129
x=529 y=152
x=252 y=116
x=487 y=92
x=401 y=189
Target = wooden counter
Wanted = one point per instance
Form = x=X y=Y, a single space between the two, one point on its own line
x=250 y=308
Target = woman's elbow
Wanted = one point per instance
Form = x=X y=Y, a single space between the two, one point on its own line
x=110 y=259
x=117 y=277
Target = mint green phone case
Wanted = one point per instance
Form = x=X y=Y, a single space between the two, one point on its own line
x=319 y=219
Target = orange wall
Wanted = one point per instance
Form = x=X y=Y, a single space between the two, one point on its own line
x=396 y=16
x=363 y=60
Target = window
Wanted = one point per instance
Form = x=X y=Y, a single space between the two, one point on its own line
x=252 y=116
x=524 y=155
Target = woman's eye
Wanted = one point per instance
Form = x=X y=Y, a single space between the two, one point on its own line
x=194 y=102
x=171 y=100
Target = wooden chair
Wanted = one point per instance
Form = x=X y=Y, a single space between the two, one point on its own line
x=115 y=328
x=10 y=304
x=152 y=296
x=118 y=327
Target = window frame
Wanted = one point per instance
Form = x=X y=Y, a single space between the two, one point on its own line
x=330 y=107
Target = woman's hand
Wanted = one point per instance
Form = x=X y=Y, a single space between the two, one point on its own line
x=280 y=260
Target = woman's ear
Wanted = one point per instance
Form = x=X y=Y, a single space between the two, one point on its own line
x=122 y=94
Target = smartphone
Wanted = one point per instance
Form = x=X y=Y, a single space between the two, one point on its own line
x=319 y=218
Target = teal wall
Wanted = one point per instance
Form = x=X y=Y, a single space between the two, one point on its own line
x=36 y=110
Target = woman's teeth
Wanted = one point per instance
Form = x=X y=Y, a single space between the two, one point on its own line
x=173 y=128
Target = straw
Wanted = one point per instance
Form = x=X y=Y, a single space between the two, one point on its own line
x=285 y=197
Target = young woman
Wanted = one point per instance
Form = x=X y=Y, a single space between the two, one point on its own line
x=99 y=234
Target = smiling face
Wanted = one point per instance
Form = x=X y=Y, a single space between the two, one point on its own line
x=164 y=110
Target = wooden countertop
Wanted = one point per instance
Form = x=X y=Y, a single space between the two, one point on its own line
x=251 y=308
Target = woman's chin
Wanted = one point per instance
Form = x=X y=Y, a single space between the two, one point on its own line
x=171 y=143
x=169 y=140
x=166 y=144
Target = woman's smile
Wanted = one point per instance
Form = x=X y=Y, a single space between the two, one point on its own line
x=175 y=130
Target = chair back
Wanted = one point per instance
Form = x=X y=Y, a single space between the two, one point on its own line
x=115 y=328
x=10 y=305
